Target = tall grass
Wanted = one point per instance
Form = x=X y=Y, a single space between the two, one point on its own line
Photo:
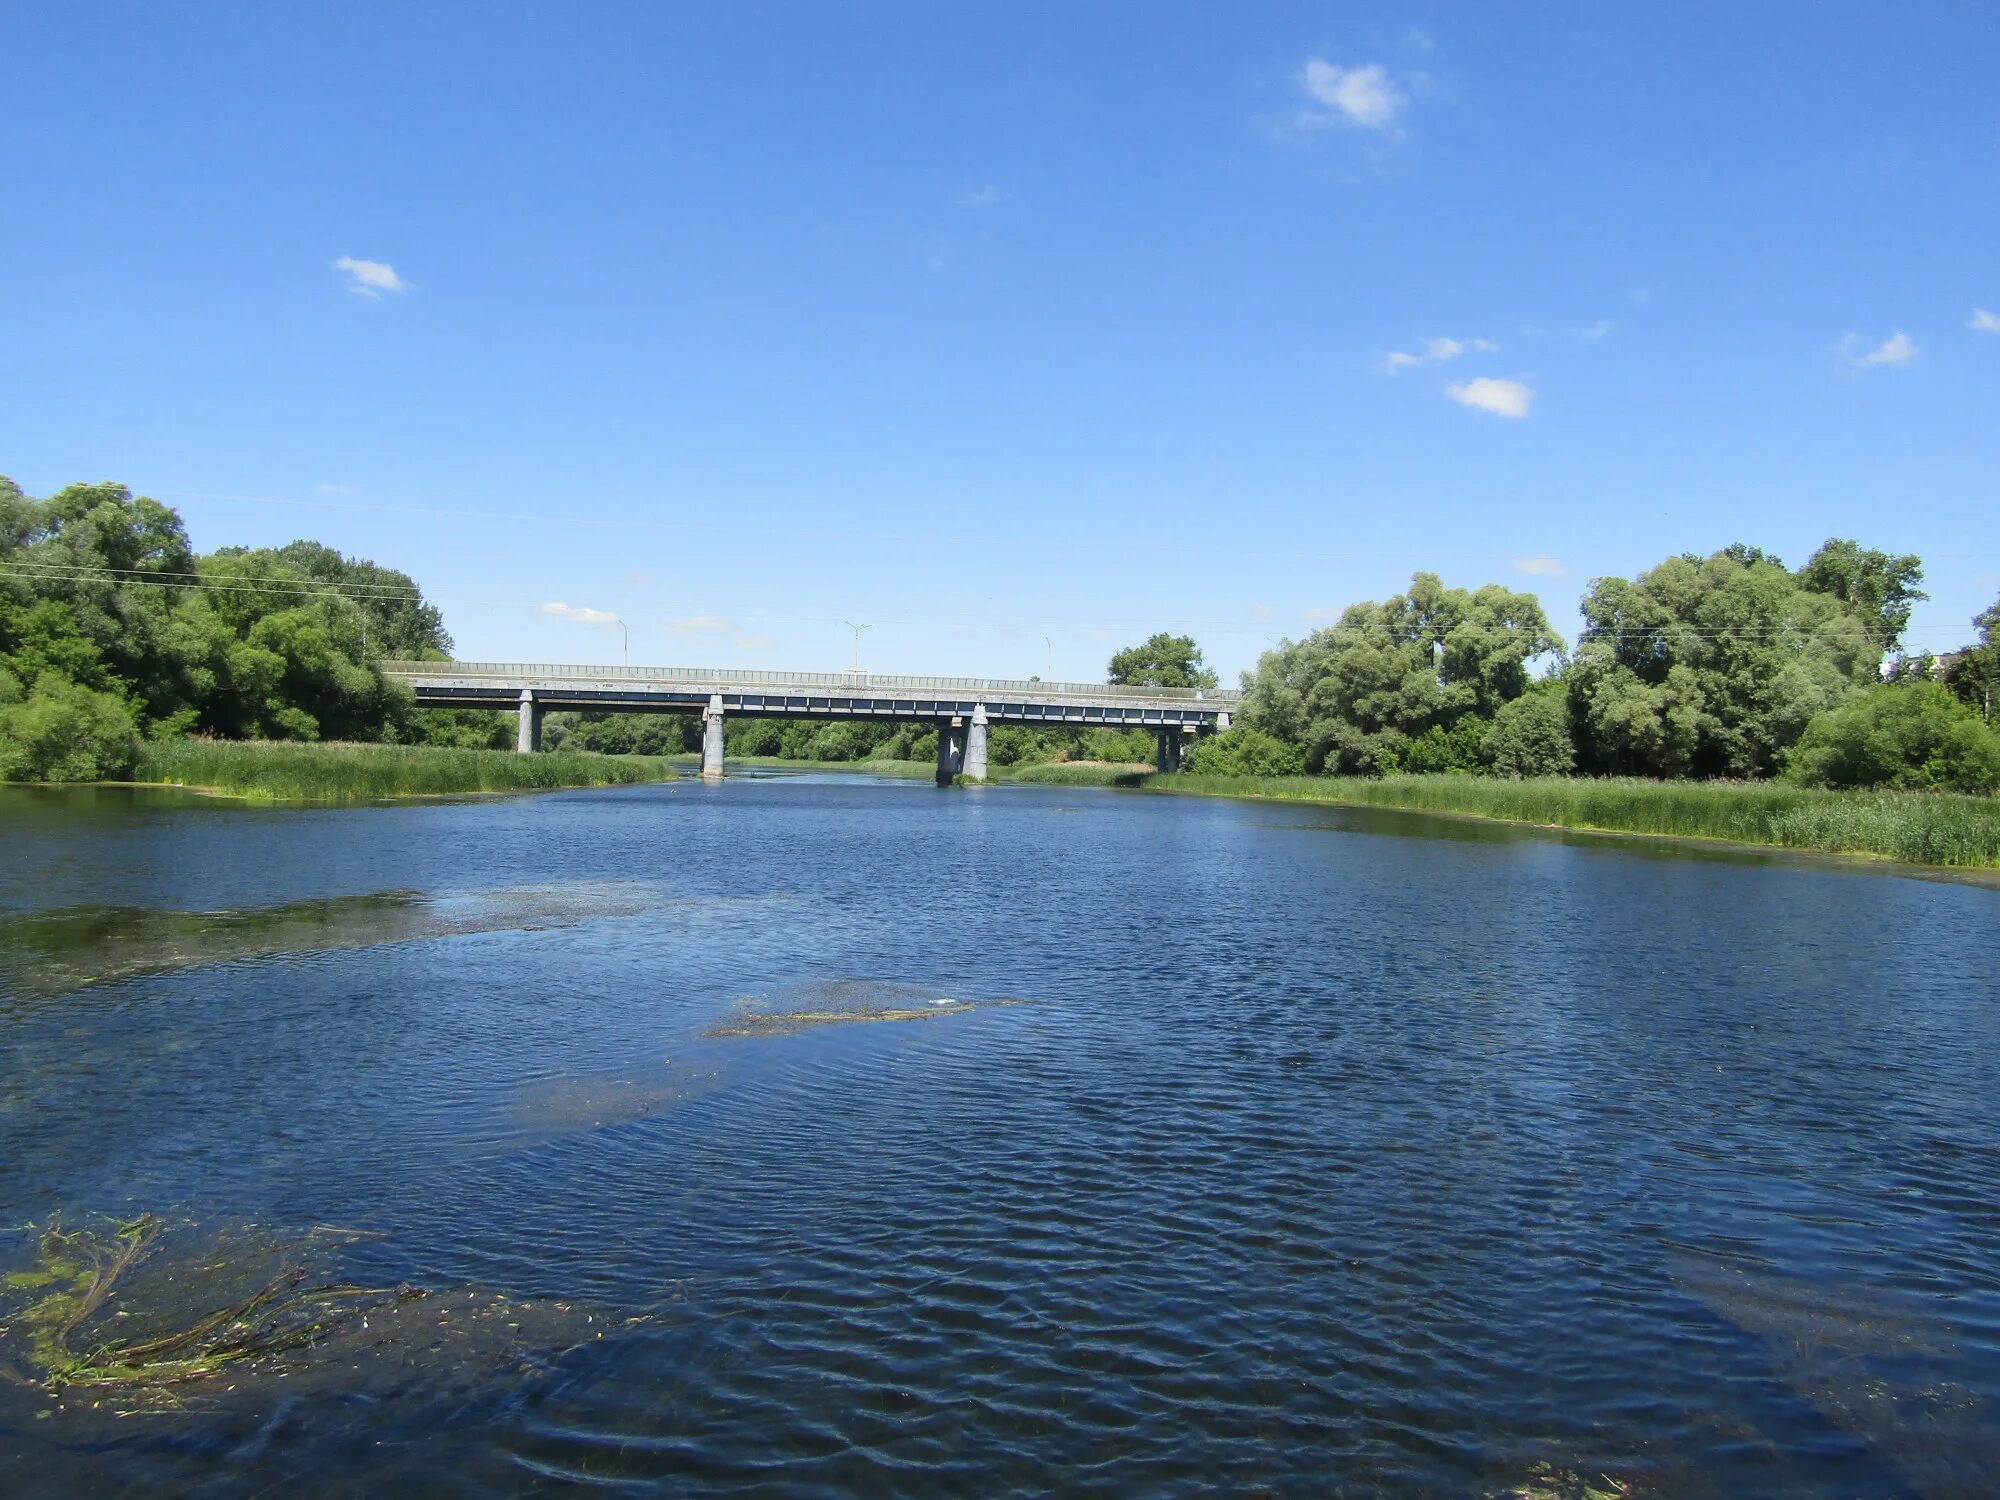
x=1931 y=828
x=291 y=771
x=1078 y=773
x=908 y=769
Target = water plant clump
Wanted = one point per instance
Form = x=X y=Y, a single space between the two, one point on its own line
x=101 y=1316
x=840 y=1002
x=303 y=771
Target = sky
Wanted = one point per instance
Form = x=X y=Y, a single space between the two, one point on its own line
x=1013 y=333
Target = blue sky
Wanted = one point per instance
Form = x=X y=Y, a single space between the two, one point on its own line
x=1016 y=331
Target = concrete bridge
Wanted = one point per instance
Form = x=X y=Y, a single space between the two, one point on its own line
x=961 y=708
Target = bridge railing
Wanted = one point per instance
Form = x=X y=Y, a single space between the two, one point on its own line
x=852 y=681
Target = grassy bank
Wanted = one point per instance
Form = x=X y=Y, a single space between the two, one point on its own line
x=1929 y=828
x=1077 y=773
x=297 y=772
x=908 y=769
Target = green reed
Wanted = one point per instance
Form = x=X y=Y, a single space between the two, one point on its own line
x=1932 y=828
x=293 y=771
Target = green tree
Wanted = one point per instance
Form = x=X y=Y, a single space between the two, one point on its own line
x=1531 y=736
x=1712 y=666
x=1904 y=734
x=1878 y=587
x=1243 y=751
x=1169 y=661
x=63 y=731
x=1353 y=696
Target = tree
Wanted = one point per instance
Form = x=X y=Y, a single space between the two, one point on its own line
x=63 y=731
x=1169 y=661
x=1974 y=673
x=1531 y=735
x=1353 y=696
x=1243 y=751
x=1878 y=587
x=1904 y=734
x=1711 y=666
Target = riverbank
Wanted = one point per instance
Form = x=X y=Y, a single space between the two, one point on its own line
x=1922 y=828
x=911 y=770
x=295 y=771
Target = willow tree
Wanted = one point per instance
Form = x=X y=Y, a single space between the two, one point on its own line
x=1355 y=695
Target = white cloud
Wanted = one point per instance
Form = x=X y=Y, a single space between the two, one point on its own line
x=1261 y=611
x=639 y=577
x=1597 y=330
x=578 y=614
x=983 y=197
x=1098 y=633
x=1896 y=350
x=1540 y=563
x=1321 y=614
x=697 y=625
x=1438 y=351
x=1984 y=321
x=1359 y=96
x=371 y=277
x=1503 y=398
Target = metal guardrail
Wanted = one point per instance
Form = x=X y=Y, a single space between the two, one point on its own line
x=851 y=681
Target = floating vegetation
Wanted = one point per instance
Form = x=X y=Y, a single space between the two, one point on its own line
x=573 y=1101
x=99 y=1320
x=1547 y=1482
x=72 y=948
x=841 y=1002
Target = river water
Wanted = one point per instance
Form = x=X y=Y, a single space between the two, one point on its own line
x=825 y=1136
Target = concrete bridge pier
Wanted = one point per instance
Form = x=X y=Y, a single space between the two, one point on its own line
x=529 y=738
x=711 y=739
x=951 y=750
x=1167 y=749
x=975 y=744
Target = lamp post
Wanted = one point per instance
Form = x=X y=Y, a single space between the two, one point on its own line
x=857 y=629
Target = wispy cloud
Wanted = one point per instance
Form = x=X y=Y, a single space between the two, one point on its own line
x=1438 y=352
x=1321 y=614
x=370 y=278
x=1984 y=321
x=1541 y=563
x=698 y=625
x=639 y=577
x=1261 y=611
x=1488 y=393
x=334 y=489
x=579 y=614
x=1600 y=329
x=1363 y=96
x=1895 y=351
x=983 y=197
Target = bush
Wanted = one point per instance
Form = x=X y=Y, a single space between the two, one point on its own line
x=1531 y=736
x=1903 y=734
x=63 y=731
x=1244 y=752
x=1461 y=748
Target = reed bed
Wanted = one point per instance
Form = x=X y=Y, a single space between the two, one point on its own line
x=291 y=771
x=1928 y=828
x=1081 y=773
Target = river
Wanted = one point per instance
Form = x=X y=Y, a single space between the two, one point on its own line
x=826 y=1136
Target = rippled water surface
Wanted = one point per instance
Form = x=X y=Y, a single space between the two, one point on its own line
x=819 y=1136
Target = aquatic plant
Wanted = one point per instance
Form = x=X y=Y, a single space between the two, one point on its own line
x=1932 y=828
x=287 y=771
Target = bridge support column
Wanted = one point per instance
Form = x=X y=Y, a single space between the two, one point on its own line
x=951 y=750
x=975 y=744
x=711 y=739
x=529 y=737
x=1167 y=748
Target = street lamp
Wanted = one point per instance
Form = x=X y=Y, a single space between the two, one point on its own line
x=857 y=629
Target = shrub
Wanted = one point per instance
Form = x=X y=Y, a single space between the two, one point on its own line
x=1243 y=751
x=63 y=731
x=1531 y=736
x=1902 y=734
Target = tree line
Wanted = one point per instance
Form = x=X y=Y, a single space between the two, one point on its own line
x=1731 y=665
x=112 y=630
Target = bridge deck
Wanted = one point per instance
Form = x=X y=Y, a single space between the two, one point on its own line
x=820 y=695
